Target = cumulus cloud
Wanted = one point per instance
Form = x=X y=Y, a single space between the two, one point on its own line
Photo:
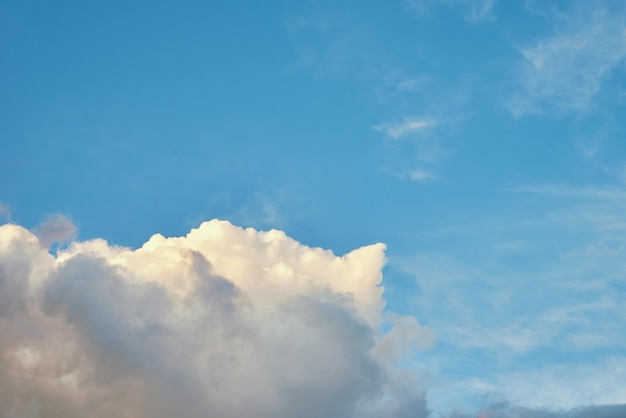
x=223 y=322
x=566 y=70
x=57 y=228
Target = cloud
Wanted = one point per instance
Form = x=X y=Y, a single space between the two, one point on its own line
x=57 y=228
x=415 y=160
x=566 y=70
x=473 y=10
x=513 y=337
x=506 y=410
x=5 y=212
x=408 y=126
x=421 y=175
x=552 y=385
x=224 y=321
x=574 y=192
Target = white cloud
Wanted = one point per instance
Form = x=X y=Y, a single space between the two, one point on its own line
x=407 y=127
x=225 y=322
x=565 y=71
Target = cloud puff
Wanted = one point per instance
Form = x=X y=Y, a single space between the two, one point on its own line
x=224 y=322
x=566 y=70
x=57 y=228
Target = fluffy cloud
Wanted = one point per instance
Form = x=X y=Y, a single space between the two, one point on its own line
x=225 y=322
x=57 y=228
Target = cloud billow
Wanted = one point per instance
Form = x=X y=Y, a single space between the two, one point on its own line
x=225 y=322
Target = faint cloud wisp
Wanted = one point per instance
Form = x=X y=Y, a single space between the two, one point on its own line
x=5 y=212
x=407 y=127
x=474 y=11
x=565 y=71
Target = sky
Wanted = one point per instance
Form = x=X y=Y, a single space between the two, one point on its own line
x=407 y=208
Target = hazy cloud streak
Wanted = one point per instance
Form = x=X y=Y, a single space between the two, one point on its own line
x=407 y=127
x=565 y=71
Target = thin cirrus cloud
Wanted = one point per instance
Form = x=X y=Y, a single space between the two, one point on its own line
x=566 y=70
x=473 y=10
x=421 y=175
x=571 y=245
x=224 y=321
x=407 y=127
x=504 y=409
x=425 y=153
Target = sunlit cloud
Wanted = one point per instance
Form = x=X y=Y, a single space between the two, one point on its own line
x=224 y=321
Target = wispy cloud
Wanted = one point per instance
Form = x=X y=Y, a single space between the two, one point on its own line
x=566 y=70
x=599 y=383
x=408 y=126
x=421 y=175
x=473 y=10
x=505 y=409
x=575 y=192
x=417 y=159
x=5 y=212
x=514 y=337
x=417 y=174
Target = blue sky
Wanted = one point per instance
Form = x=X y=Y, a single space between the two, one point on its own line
x=482 y=141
